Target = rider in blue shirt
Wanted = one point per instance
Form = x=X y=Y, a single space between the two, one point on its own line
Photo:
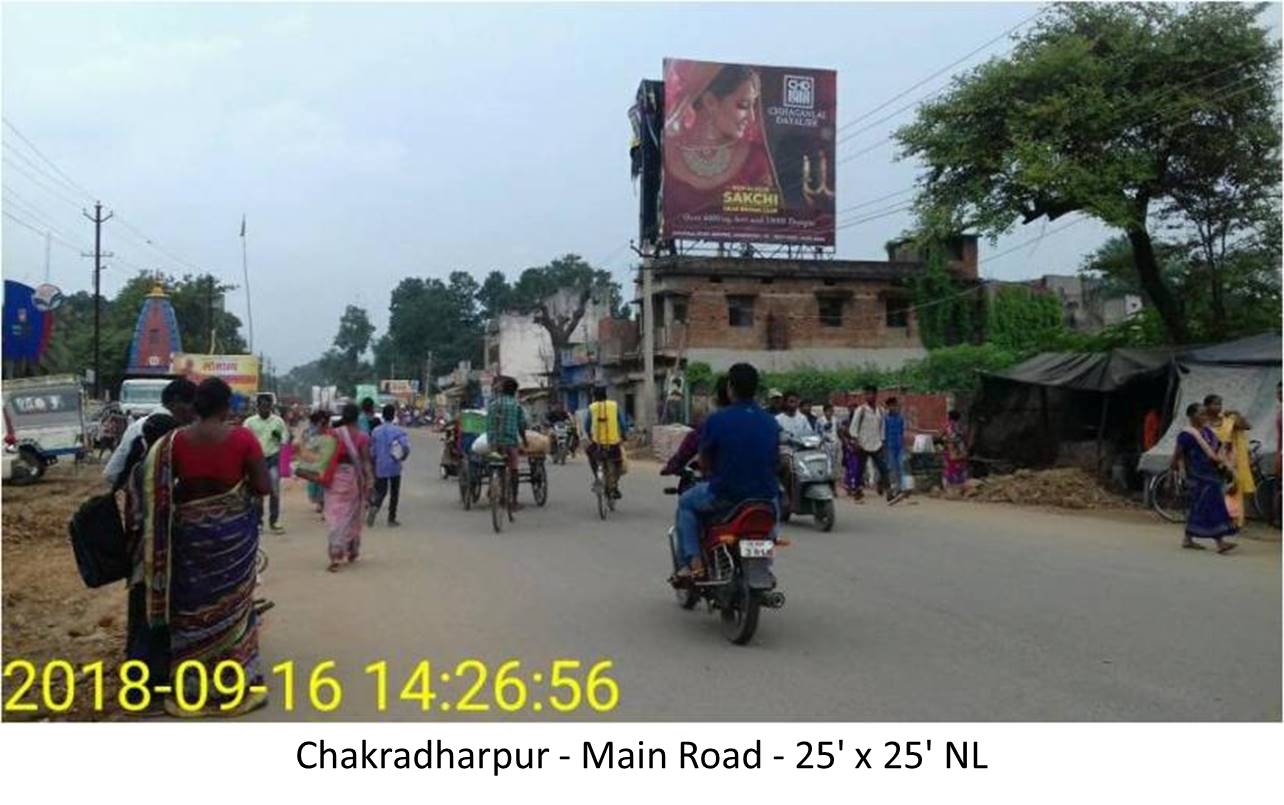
x=739 y=446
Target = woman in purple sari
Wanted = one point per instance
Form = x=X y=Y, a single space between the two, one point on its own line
x=200 y=541
x=1198 y=453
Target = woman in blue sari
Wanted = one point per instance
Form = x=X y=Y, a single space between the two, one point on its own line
x=1198 y=453
x=200 y=540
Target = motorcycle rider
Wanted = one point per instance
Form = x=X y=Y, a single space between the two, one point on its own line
x=605 y=427
x=690 y=446
x=738 y=453
x=558 y=417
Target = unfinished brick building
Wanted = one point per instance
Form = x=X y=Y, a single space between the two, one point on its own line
x=781 y=314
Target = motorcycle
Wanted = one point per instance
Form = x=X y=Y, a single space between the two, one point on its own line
x=738 y=548
x=810 y=481
x=561 y=442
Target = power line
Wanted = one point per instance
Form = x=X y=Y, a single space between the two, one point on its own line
x=943 y=70
x=47 y=160
x=40 y=231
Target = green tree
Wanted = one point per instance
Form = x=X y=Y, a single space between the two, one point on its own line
x=1018 y=319
x=494 y=295
x=557 y=295
x=1124 y=112
x=943 y=306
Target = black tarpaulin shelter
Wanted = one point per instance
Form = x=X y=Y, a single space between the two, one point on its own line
x=1089 y=371
x=1032 y=414
x=1028 y=414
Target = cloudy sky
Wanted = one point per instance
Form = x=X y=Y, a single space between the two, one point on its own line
x=366 y=143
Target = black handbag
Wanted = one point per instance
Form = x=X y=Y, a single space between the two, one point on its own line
x=98 y=541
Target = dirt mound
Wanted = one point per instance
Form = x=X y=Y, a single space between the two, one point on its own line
x=1065 y=488
x=49 y=614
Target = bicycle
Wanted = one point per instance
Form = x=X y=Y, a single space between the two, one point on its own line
x=605 y=484
x=1265 y=500
x=1169 y=495
x=501 y=490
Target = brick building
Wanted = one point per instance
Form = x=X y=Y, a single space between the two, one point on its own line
x=782 y=314
x=777 y=314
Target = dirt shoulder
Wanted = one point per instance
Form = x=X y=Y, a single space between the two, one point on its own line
x=48 y=612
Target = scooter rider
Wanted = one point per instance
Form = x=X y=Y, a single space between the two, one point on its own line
x=605 y=427
x=794 y=427
x=738 y=453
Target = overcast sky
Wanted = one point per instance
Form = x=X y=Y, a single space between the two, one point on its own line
x=368 y=143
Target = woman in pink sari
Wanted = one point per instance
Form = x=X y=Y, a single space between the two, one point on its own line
x=346 y=496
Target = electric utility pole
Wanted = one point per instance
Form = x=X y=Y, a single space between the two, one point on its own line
x=98 y=220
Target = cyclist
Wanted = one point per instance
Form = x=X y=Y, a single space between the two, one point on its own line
x=506 y=428
x=605 y=426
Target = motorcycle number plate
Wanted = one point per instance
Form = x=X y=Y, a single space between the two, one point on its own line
x=757 y=548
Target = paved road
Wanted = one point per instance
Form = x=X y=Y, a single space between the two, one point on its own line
x=935 y=611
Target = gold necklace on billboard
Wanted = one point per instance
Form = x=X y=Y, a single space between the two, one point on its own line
x=706 y=161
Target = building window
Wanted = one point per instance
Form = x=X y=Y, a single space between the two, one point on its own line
x=492 y=357
x=680 y=311
x=831 y=311
x=897 y=312
x=657 y=311
x=740 y=311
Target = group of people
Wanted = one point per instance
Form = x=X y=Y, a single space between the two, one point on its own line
x=872 y=437
x=194 y=483
x=1213 y=456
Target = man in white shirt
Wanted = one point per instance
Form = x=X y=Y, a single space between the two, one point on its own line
x=176 y=401
x=868 y=434
x=793 y=423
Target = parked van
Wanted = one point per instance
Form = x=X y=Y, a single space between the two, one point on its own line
x=43 y=421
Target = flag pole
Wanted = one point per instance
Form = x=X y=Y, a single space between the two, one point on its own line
x=245 y=268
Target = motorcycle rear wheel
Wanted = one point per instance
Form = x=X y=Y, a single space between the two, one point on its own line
x=740 y=614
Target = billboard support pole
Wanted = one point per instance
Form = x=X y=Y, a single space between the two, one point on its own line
x=647 y=419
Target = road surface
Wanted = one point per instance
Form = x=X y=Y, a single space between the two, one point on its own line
x=936 y=611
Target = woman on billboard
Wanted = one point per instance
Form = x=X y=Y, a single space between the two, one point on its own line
x=714 y=137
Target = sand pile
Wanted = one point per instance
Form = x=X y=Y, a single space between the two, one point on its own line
x=1065 y=488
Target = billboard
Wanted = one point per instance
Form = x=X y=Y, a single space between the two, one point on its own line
x=748 y=153
x=241 y=372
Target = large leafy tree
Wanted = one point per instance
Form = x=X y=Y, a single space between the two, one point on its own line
x=430 y=318
x=557 y=295
x=1134 y=114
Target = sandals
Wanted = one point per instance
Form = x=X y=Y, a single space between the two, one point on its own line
x=1193 y=546
x=1228 y=547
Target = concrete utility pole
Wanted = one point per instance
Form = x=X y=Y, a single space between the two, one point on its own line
x=98 y=220
x=647 y=419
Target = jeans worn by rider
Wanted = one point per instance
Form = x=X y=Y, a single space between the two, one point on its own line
x=740 y=443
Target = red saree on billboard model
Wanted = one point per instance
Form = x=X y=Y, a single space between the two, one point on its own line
x=748 y=153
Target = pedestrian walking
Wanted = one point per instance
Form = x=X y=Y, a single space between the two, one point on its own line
x=349 y=490
x=272 y=433
x=1199 y=457
x=1231 y=430
x=318 y=425
x=894 y=429
x=869 y=434
x=389 y=447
